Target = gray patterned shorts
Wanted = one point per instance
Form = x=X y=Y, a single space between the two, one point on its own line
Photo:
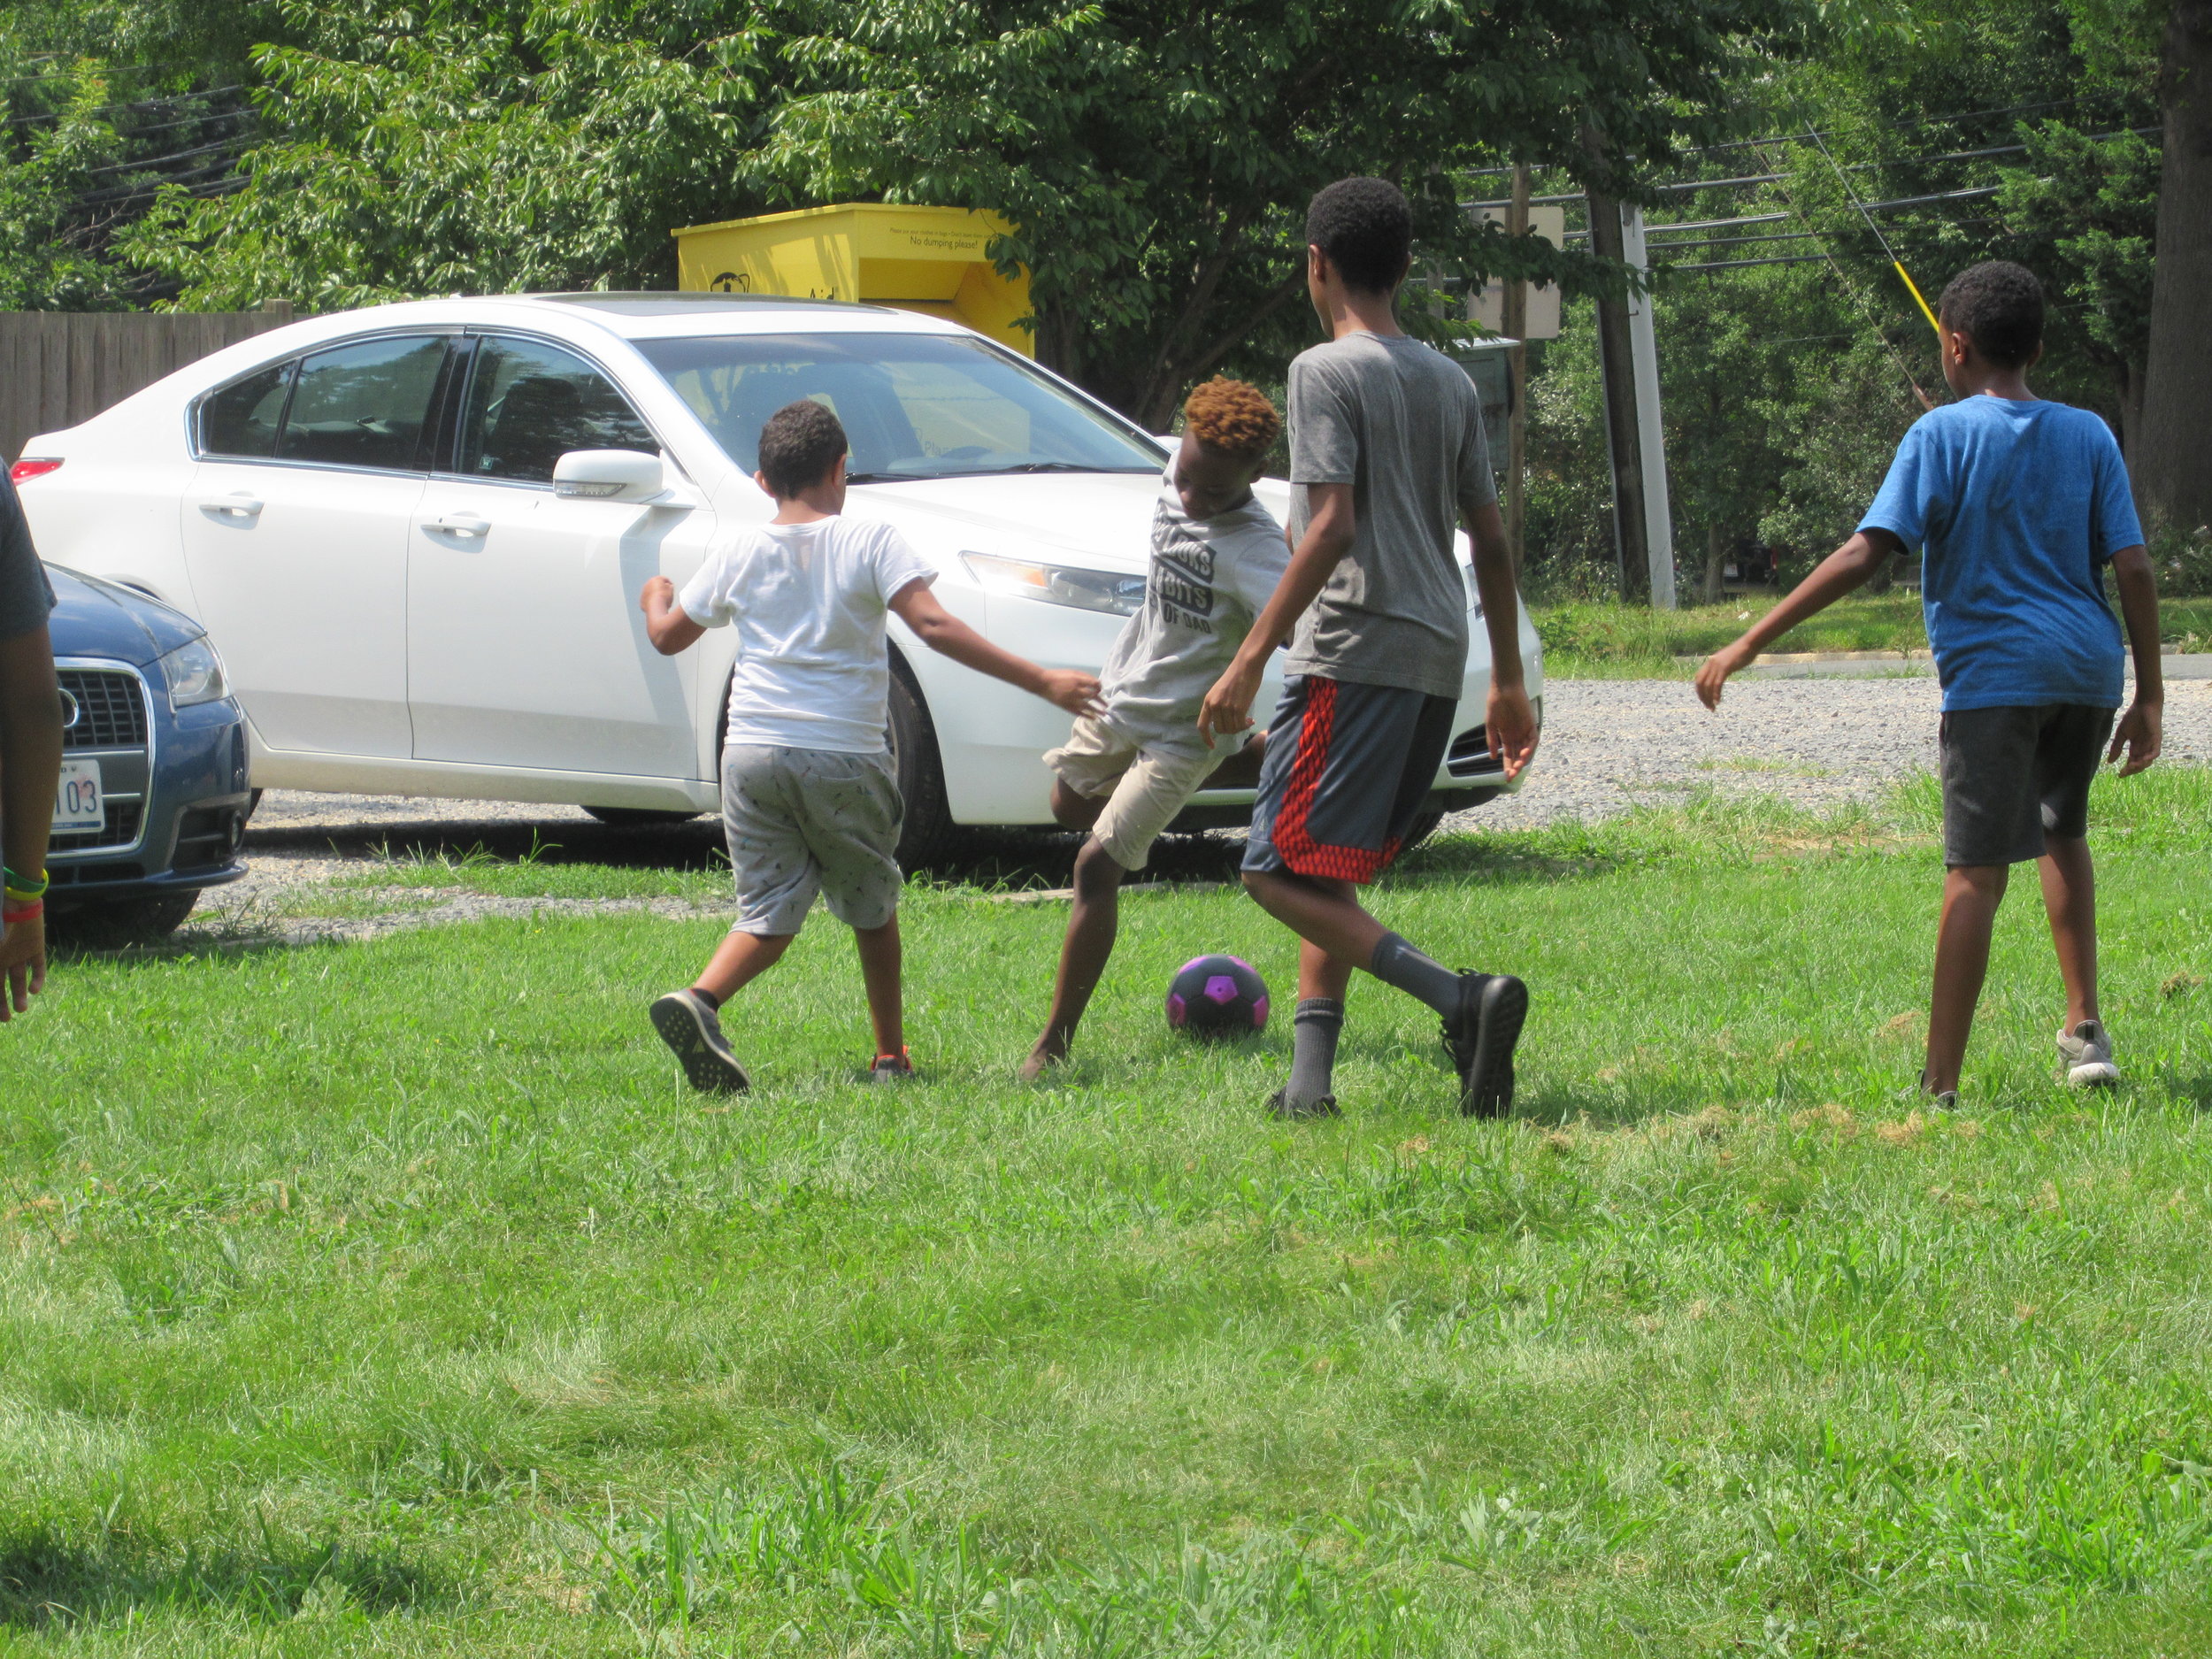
x=803 y=821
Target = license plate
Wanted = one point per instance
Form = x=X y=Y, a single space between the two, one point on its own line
x=78 y=803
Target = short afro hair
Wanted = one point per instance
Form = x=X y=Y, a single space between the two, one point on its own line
x=1232 y=417
x=1366 y=228
x=1999 y=306
x=799 y=445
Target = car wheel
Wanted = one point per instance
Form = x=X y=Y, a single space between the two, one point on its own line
x=106 y=923
x=638 y=817
x=928 y=831
x=1423 y=827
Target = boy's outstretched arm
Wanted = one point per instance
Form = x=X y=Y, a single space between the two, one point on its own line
x=1329 y=536
x=1508 y=721
x=1844 y=571
x=2138 y=731
x=947 y=635
x=667 y=623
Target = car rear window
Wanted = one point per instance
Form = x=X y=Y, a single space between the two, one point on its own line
x=914 y=406
x=364 y=405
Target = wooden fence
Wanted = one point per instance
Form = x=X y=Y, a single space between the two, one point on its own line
x=57 y=368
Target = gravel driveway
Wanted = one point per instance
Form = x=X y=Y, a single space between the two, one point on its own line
x=1609 y=746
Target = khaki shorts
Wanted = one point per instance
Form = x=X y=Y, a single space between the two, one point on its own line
x=1145 y=788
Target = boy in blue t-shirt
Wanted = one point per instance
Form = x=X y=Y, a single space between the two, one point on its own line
x=2019 y=505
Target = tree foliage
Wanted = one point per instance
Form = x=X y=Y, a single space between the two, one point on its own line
x=1155 y=158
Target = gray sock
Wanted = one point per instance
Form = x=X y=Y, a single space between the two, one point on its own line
x=1398 y=964
x=1313 y=1033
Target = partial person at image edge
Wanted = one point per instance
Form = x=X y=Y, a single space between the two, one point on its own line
x=2018 y=505
x=30 y=755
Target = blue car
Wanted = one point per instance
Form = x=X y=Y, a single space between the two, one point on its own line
x=153 y=800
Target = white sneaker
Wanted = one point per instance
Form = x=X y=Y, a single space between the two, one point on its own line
x=2086 y=1053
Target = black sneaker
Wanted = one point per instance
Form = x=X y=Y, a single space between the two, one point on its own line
x=1278 y=1103
x=689 y=1027
x=1480 y=1036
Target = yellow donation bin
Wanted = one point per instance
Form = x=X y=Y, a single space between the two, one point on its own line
x=934 y=260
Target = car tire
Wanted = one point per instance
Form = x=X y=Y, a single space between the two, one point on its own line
x=928 y=831
x=107 y=923
x=638 y=817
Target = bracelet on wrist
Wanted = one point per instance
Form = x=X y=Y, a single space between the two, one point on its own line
x=10 y=915
x=20 y=886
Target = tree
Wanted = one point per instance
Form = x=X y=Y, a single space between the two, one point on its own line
x=2171 y=478
x=1158 y=156
x=1155 y=158
x=486 y=147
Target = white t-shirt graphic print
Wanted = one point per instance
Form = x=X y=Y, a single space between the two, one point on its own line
x=1209 y=579
x=808 y=603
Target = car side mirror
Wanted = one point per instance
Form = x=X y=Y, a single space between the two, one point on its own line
x=608 y=475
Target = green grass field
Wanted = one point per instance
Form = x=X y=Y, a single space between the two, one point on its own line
x=1612 y=641
x=395 y=1298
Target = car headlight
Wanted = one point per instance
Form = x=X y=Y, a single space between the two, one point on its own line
x=195 y=674
x=1110 y=591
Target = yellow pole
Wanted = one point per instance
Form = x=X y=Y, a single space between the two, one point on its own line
x=1914 y=292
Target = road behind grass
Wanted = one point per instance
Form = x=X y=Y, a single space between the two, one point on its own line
x=395 y=1298
x=1609 y=747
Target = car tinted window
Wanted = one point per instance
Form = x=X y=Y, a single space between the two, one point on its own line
x=242 y=419
x=913 y=405
x=364 y=405
x=530 y=404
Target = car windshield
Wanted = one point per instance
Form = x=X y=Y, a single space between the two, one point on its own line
x=913 y=406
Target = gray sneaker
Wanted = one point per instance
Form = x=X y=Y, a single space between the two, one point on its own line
x=692 y=1030
x=2086 y=1053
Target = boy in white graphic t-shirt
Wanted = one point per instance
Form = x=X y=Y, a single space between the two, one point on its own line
x=809 y=799
x=1217 y=555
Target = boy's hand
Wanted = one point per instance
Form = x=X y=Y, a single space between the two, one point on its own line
x=1730 y=659
x=1228 y=706
x=22 y=966
x=1074 y=690
x=1509 y=723
x=659 y=594
x=2138 y=733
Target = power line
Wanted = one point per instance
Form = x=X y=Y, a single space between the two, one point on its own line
x=109 y=109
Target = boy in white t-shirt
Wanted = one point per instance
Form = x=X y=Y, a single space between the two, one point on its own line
x=808 y=798
x=1217 y=556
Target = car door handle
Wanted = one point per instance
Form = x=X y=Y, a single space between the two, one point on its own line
x=238 y=502
x=460 y=524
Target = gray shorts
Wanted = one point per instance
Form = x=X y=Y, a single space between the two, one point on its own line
x=803 y=821
x=2012 y=776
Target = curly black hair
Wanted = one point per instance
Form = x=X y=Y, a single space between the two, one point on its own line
x=1366 y=228
x=1999 y=306
x=799 y=444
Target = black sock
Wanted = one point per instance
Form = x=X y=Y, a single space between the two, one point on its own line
x=1398 y=964
x=1313 y=1033
x=709 y=998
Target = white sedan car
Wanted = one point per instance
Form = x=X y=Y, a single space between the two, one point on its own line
x=416 y=538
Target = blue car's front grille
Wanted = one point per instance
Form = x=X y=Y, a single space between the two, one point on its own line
x=110 y=710
x=120 y=830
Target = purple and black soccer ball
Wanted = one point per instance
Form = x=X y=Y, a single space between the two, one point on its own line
x=1214 y=997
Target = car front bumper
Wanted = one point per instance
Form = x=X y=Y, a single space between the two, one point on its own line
x=176 y=788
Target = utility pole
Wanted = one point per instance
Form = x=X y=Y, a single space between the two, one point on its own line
x=1515 y=319
x=1651 y=433
x=1616 y=365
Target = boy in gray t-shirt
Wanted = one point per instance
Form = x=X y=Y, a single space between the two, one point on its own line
x=1387 y=455
x=1124 y=775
